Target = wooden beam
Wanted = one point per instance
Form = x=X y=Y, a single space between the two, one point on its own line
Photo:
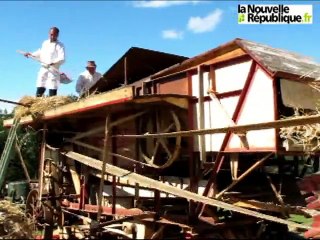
x=154 y=184
x=236 y=129
x=125 y=71
x=227 y=56
x=113 y=124
x=278 y=196
x=74 y=176
x=216 y=101
x=234 y=164
x=202 y=143
x=126 y=119
x=179 y=101
x=106 y=150
x=42 y=159
x=119 y=95
x=82 y=144
x=24 y=167
x=192 y=63
x=261 y=206
x=249 y=170
x=88 y=133
x=213 y=81
x=111 y=154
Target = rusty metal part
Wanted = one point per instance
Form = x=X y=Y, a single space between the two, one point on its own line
x=105 y=210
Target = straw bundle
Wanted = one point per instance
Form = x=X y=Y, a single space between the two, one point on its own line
x=38 y=105
x=307 y=136
x=13 y=222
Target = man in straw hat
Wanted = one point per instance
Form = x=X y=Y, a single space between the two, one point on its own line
x=52 y=56
x=88 y=78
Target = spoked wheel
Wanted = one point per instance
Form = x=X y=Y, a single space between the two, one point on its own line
x=163 y=151
x=40 y=215
x=34 y=207
x=42 y=210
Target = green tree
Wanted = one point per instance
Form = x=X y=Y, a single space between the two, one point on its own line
x=3 y=135
x=29 y=149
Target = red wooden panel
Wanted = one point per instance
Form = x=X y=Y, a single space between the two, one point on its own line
x=179 y=86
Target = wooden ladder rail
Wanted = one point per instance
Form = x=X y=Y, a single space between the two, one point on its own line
x=5 y=156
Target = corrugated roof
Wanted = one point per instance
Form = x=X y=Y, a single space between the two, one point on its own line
x=280 y=60
x=275 y=60
x=201 y=58
x=140 y=63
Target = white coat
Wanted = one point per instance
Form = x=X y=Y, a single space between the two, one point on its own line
x=86 y=81
x=50 y=52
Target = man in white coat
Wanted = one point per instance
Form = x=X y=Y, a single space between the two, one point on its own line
x=52 y=56
x=87 y=78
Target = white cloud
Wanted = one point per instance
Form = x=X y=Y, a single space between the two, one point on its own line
x=172 y=34
x=205 y=24
x=161 y=4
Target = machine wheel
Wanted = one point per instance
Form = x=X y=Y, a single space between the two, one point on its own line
x=160 y=152
x=44 y=211
x=41 y=215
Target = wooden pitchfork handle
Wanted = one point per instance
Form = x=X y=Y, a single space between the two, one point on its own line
x=17 y=103
x=38 y=60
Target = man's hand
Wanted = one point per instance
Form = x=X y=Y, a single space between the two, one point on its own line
x=48 y=65
x=27 y=54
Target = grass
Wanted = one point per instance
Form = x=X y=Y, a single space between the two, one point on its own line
x=300 y=219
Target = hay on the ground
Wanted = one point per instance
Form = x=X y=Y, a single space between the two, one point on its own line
x=13 y=222
x=38 y=105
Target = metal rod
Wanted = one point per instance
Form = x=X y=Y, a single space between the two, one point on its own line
x=12 y=102
x=236 y=129
x=106 y=150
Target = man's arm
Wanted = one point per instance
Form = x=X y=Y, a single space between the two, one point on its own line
x=80 y=84
x=61 y=55
x=35 y=54
x=96 y=79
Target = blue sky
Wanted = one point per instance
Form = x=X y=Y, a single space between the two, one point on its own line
x=104 y=30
